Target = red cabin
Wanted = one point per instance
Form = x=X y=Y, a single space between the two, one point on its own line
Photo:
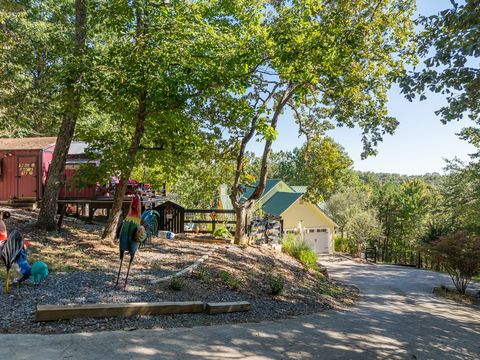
x=24 y=164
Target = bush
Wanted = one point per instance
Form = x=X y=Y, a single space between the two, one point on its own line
x=299 y=250
x=176 y=283
x=459 y=255
x=308 y=258
x=276 y=284
x=202 y=274
x=230 y=280
x=223 y=232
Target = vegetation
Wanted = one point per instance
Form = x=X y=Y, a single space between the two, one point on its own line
x=222 y=231
x=276 y=284
x=230 y=280
x=459 y=254
x=298 y=249
x=449 y=44
x=176 y=283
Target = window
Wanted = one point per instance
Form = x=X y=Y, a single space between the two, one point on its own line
x=311 y=230
x=322 y=230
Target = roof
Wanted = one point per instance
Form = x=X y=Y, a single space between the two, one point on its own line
x=299 y=189
x=269 y=185
x=77 y=148
x=280 y=202
x=30 y=143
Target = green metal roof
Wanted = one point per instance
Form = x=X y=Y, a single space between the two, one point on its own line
x=299 y=189
x=280 y=202
x=268 y=186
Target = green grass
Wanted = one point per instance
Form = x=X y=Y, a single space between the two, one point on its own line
x=230 y=280
x=176 y=283
x=300 y=251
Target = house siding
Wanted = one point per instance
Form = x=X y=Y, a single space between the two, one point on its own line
x=309 y=214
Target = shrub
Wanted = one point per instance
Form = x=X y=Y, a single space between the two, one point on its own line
x=176 y=283
x=299 y=250
x=230 y=280
x=276 y=284
x=223 y=232
x=202 y=274
x=459 y=255
x=307 y=257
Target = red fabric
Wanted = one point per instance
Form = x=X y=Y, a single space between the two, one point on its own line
x=3 y=231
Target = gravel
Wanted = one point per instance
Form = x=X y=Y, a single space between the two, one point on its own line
x=252 y=267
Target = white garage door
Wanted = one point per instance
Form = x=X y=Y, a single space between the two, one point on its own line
x=318 y=239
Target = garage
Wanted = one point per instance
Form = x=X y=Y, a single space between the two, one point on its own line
x=319 y=239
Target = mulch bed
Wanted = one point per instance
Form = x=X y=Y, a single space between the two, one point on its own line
x=83 y=271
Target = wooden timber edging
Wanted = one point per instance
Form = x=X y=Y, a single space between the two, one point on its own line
x=67 y=312
x=227 y=307
x=188 y=269
x=64 y=312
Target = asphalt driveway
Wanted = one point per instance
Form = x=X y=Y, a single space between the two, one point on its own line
x=396 y=318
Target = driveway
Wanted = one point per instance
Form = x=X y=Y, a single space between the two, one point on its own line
x=396 y=318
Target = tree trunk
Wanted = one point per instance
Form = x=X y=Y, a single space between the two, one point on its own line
x=241 y=209
x=111 y=228
x=241 y=224
x=48 y=210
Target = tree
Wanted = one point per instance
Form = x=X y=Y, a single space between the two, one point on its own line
x=345 y=203
x=34 y=41
x=461 y=196
x=330 y=63
x=322 y=165
x=158 y=65
x=72 y=107
x=357 y=220
x=363 y=229
x=450 y=45
x=459 y=254
x=326 y=168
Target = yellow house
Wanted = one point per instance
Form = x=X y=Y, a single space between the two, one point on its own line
x=298 y=215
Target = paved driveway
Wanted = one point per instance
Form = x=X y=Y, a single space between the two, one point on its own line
x=396 y=318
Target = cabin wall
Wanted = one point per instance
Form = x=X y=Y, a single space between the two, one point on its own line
x=11 y=182
x=68 y=191
x=47 y=157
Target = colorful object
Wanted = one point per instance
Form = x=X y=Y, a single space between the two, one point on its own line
x=39 y=272
x=135 y=231
x=3 y=227
x=22 y=266
x=11 y=252
x=150 y=222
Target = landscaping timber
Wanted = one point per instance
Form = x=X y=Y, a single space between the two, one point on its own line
x=64 y=312
x=227 y=307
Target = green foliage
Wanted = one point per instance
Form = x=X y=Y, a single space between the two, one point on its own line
x=202 y=274
x=176 y=283
x=230 y=280
x=307 y=257
x=449 y=42
x=322 y=165
x=461 y=196
x=299 y=250
x=459 y=254
x=222 y=231
x=357 y=219
x=276 y=284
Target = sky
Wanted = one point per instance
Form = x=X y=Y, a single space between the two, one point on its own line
x=420 y=143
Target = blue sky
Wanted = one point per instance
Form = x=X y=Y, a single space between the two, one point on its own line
x=420 y=143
